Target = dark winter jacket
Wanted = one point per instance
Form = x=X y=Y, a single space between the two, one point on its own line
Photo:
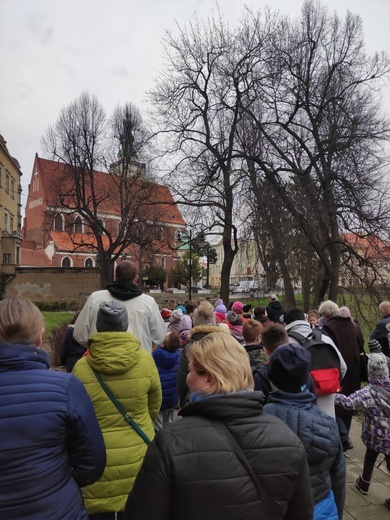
x=192 y=473
x=320 y=435
x=345 y=336
x=381 y=334
x=274 y=310
x=50 y=440
x=71 y=350
x=167 y=365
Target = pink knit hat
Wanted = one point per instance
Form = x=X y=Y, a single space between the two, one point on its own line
x=237 y=307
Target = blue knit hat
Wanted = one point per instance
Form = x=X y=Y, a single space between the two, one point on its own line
x=288 y=368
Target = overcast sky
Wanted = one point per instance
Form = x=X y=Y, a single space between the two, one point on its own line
x=52 y=50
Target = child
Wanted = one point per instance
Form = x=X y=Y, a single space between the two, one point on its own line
x=174 y=321
x=251 y=331
x=167 y=359
x=313 y=318
x=375 y=399
x=293 y=403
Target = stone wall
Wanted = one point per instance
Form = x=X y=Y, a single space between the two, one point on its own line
x=52 y=284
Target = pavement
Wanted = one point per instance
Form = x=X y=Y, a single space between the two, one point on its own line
x=371 y=506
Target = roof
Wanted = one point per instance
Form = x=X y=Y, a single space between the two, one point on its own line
x=34 y=258
x=157 y=201
x=371 y=246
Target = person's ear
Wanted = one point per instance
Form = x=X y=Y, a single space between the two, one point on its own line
x=209 y=381
x=40 y=338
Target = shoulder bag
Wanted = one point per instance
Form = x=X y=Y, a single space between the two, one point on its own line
x=120 y=408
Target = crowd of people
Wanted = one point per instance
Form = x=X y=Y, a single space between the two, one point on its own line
x=195 y=411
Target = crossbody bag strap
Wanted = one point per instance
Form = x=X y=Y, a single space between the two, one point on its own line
x=269 y=504
x=120 y=408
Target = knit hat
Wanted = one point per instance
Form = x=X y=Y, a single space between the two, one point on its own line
x=377 y=366
x=165 y=314
x=112 y=316
x=218 y=302
x=182 y=308
x=374 y=346
x=233 y=318
x=288 y=368
x=177 y=314
x=185 y=323
x=344 y=311
x=220 y=308
x=237 y=307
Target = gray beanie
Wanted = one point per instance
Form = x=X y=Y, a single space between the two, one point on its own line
x=377 y=366
x=112 y=316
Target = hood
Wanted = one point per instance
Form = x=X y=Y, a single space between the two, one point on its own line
x=113 y=352
x=300 y=326
x=380 y=390
x=201 y=331
x=124 y=291
x=275 y=305
x=14 y=356
x=166 y=359
x=233 y=406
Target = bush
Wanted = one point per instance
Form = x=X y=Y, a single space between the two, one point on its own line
x=59 y=306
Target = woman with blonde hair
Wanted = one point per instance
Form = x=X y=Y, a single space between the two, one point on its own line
x=225 y=459
x=50 y=440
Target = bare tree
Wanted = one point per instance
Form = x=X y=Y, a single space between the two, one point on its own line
x=85 y=142
x=319 y=130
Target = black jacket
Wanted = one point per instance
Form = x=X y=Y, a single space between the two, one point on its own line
x=190 y=471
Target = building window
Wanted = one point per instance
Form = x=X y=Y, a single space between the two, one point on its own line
x=7 y=258
x=88 y=262
x=5 y=221
x=12 y=188
x=58 y=223
x=163 y=262
x=66 y=262
x=11 y=224
x=78 y=225
x=17 y=255
x=7 y=183
x=1 y=174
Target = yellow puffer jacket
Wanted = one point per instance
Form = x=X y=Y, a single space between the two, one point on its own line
x=131 y=375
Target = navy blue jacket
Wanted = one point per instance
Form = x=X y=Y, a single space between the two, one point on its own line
x=167 y=365
x=381 y=334
x=320 y=436
x=50 y=440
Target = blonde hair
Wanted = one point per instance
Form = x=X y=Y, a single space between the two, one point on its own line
x=204 y=314
x=225 y=359
x=20 y=321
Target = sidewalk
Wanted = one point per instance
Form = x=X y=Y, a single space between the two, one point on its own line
x=371 y=506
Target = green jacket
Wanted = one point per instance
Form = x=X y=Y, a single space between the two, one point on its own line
x=131 y=375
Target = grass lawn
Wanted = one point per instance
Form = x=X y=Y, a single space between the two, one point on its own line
x=55 y=319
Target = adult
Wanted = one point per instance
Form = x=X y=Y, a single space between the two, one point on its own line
x=260 y=314
x=193 y=469
x=380 y=332
x=131 y=376
x=292 y=402
x=295 y=323
x=345 y=336
x=274 y=308
x=50 y=440
x=71 y=350
x=145 y=320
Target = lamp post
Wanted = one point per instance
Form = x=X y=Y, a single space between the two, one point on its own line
x=200 y=241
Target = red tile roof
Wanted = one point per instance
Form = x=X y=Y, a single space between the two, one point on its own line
x=159 y=202
x=34 y=258
x=371 y=246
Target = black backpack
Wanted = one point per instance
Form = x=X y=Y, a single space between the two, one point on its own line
x=325 y=362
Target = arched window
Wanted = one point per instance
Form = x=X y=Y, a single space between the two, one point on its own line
x=59 y=223
x=66 y=262
x=88 y=262
x=178 y=236
x=78 y=225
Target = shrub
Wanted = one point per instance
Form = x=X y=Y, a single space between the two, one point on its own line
x=54 y=342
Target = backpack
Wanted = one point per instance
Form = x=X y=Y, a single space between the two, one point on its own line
x=325 y=363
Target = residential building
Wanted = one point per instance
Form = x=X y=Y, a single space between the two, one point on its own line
x=65 y=238
x=10 y=210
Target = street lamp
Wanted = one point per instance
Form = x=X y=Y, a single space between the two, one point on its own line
x=199 y=239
